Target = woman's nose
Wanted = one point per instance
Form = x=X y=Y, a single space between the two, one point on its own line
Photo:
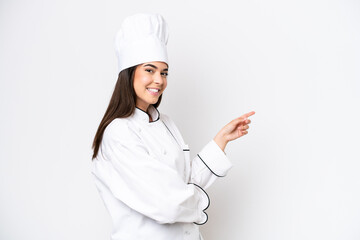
x=158 y=78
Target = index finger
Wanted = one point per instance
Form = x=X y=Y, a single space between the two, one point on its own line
x=243 y=117
x=246 y=115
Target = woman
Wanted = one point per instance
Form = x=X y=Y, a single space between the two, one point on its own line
x=141 y=164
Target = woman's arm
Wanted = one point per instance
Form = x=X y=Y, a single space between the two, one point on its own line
x=211 y=162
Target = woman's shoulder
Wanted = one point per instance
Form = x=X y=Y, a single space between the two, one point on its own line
x=118 y=123
x=119 y=128
x=167 y=121
x=170 y=124
x=165 y=118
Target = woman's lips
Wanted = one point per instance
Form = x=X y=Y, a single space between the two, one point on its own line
x=153 y=91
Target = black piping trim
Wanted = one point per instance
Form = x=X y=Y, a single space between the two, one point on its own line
x=186 y=150
x=207 y=217
x=158 y=114
x=209 y=168
x=171 y=133
x=148 y=114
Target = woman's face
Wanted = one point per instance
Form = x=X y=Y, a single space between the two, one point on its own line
x=150 y=81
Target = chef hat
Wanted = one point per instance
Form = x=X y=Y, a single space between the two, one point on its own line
x=141 y=38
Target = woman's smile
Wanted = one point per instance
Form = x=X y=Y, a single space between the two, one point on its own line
x=154 y=91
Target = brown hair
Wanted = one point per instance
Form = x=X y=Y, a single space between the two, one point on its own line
x=122 y=104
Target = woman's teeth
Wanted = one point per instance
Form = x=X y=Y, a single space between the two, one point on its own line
x=153 y=90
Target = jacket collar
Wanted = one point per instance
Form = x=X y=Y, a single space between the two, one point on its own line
x=144 y=117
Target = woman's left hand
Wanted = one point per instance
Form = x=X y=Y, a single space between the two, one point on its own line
x=233 y=130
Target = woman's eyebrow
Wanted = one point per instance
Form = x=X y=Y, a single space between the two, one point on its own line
x=150 y=65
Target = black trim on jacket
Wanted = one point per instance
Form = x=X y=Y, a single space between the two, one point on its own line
x=207 y=217
x=209 y=168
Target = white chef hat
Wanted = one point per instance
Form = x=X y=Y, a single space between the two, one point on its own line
x=141 y=38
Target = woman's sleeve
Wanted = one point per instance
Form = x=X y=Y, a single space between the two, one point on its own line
x=208 y=165
x=143 y=182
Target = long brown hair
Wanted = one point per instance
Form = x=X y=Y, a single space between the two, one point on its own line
x=122 y=104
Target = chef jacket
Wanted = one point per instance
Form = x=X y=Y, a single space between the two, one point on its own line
x=147 y=181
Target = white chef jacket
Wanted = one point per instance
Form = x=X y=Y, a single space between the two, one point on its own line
x=147 y=181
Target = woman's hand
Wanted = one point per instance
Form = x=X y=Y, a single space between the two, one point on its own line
x=233 y=130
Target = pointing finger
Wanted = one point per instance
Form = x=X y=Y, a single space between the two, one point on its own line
x=246 y=115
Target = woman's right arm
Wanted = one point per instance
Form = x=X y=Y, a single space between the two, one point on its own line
x=211 y=162
x=143 y=182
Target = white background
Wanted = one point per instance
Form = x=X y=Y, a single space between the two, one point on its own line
x=295 y=63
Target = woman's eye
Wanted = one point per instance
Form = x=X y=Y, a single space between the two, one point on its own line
x=149 y=70
x=164 y=74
